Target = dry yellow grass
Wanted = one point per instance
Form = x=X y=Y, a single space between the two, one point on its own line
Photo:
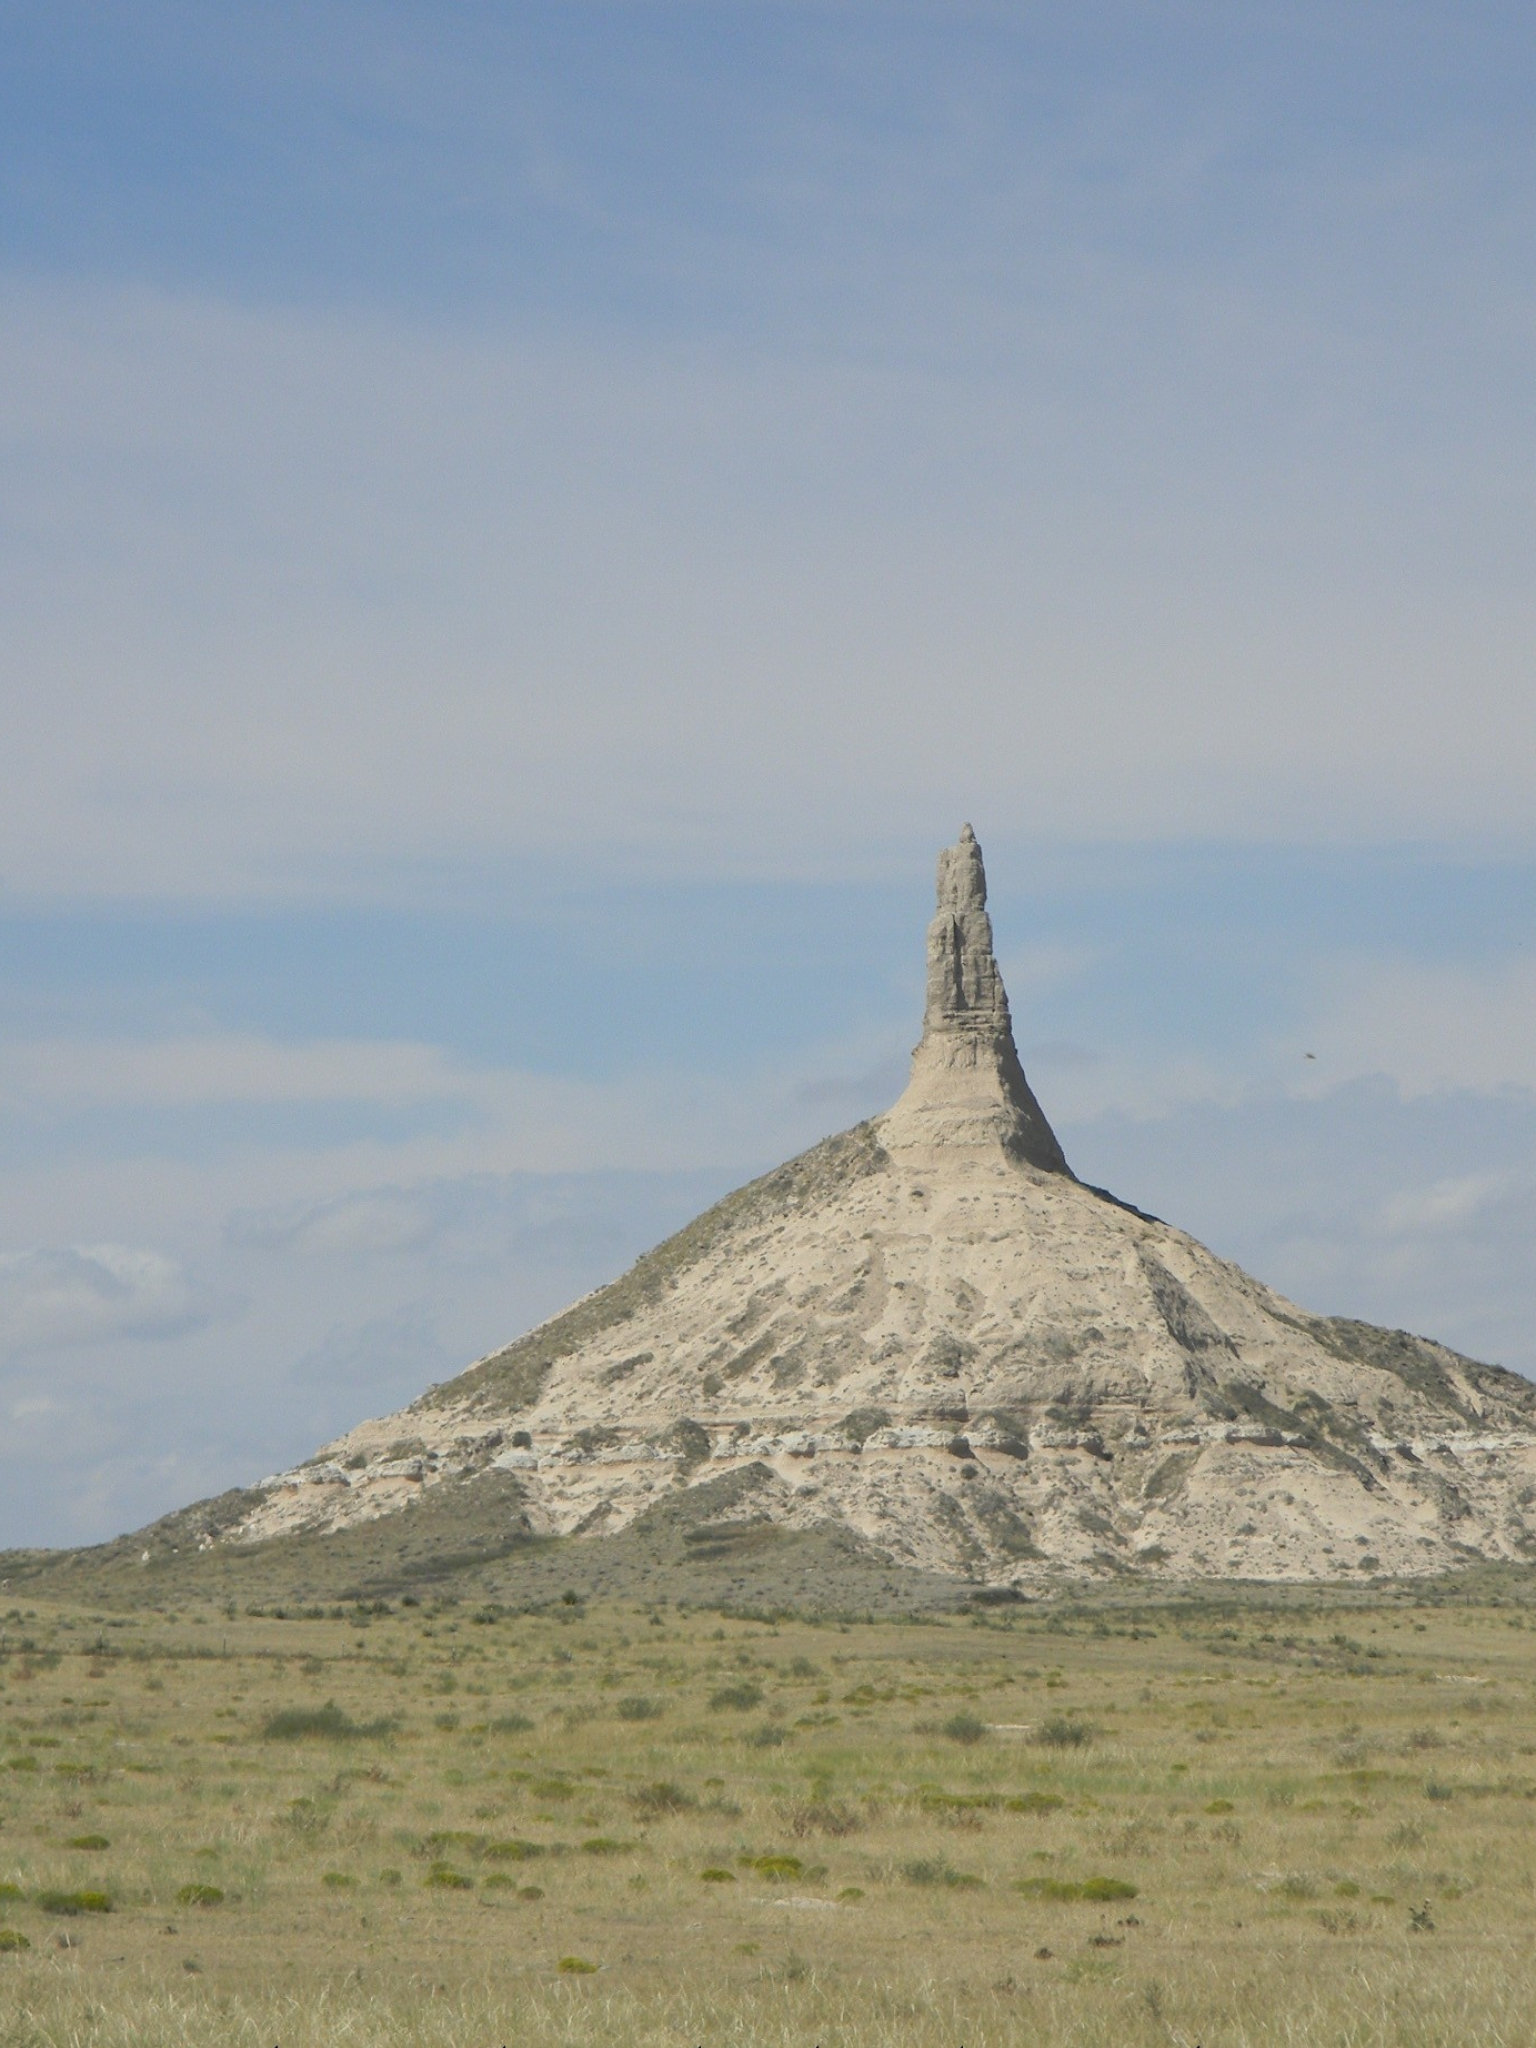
x=1282 y=1824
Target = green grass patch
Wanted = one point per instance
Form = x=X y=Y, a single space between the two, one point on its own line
x=199 y=1895
x=1064 y=1891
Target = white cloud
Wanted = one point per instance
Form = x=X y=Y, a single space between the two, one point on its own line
x=1444 y=1206
x=231 y=1068
x=658 y=1118
x=1429 y=1026
x=583 y=600
x=361 y=1224
x=86 y=1294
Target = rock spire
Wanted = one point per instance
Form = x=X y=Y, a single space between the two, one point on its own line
x=968 y=1086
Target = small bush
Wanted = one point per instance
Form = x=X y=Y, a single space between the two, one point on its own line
x=12 y=1941
x=70 y=1904
x=1101 y=1890
x=11 y=1891
x=934 y=1870
x=662 y=1797
x=573 y=1966
x=1035 y=1802
x=511 y=1724
x=498 y=1881
x=441 y=1877
x=743 y=1696
x=89 y=1842
x=714 y=1876
x=822 y=1817
x=848 y=1894
x=530 y=1892
x=775 y=1867
x=1435 y=1790
x=199 y=1895
x=1062 y=1891
x=963 y=1728
x=1220 y=1806
x=296 y=1724
x=514 y=1851
x=1063 y=1731
x=391 y=1878
x=639 y=1708
x=339 y=1881
x=605 y=1845
x=769 y=1736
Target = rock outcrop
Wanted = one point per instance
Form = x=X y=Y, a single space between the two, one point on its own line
x=928 y=1332
x=968 y=1087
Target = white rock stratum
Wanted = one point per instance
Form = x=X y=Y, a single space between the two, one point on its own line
x=929 y=1330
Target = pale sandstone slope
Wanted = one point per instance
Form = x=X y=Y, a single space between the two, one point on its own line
x=929 y=1330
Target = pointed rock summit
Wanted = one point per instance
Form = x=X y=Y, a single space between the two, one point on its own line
x=967 y=1086
x=928 y=1337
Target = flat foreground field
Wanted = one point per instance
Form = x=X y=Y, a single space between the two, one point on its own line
x=1203 y=1822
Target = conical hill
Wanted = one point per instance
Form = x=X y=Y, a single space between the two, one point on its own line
x=924 y=1344
x=928 y=1333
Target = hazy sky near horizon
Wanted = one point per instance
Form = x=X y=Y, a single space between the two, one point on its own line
x=521 y=529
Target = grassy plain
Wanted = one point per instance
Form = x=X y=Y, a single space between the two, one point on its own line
x=1273 y=1820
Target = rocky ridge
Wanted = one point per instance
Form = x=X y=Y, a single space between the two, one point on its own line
x=928 y=1332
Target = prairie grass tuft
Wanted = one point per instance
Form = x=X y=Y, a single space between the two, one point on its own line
x=742 y=1696
x=199 y=1895
x=936 y=1870
x=966 y=1728
x=1063 y=1731
x=661 y=1798
x=69 y=1904
x=297 y=1724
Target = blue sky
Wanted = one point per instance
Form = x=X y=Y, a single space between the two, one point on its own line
x=521 y=529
